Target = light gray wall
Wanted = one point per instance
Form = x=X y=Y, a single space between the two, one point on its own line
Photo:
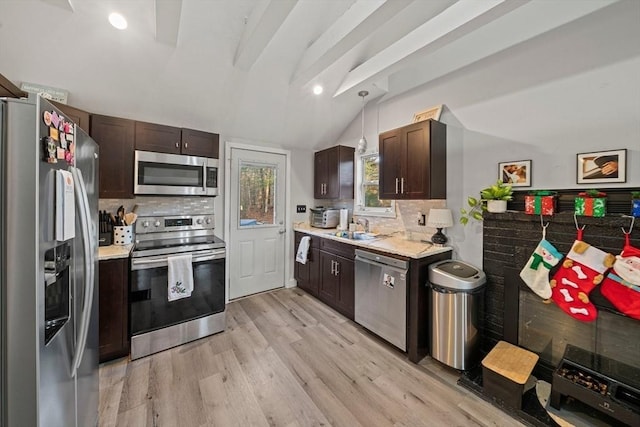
x=518 y=107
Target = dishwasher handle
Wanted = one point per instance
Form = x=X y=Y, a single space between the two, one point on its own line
x=381 y=260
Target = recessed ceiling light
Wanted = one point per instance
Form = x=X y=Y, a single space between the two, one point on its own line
x=317 y=89
x=118 y=21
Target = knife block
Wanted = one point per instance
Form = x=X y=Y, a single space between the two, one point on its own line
x=105 y=239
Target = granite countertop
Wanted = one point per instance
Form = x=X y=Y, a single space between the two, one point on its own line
x=114 y=252
x=391 y=244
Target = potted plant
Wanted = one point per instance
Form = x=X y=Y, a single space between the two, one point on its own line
x=492 y=199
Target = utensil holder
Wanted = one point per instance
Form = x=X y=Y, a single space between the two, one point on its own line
x=123 y=235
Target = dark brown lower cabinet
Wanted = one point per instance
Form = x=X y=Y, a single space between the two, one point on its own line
x=328 y=273
x=308 y=275
x=114 y=312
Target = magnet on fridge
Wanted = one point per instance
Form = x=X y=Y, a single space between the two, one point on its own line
x=49 y=147
x=67 y=127
x=55 y=119
x=68 y=156
x=60 y=153
x=53 y=133
x=61 y=125
x=46 y=117
x=63 y=141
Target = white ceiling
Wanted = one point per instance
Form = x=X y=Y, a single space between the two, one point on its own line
x=245 y=68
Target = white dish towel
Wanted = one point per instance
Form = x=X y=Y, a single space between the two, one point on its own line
x=303 y=250
x=180 y=277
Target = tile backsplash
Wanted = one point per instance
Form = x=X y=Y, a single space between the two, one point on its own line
x=406 y=220
x=150 y=206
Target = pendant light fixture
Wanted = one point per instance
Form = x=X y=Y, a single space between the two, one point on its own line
x=362 y=144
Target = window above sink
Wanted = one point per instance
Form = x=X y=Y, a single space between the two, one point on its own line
x=367 y=202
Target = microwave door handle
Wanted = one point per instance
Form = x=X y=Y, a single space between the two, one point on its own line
x=204 y=177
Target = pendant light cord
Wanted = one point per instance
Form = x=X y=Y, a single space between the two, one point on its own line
x=362 y=144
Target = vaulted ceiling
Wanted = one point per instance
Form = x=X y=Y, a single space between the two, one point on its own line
x=246 y=68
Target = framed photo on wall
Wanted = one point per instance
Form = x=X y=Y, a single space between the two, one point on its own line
x=602 y=167
x=516 y=173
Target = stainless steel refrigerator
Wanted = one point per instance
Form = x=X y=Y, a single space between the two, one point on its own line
x=48 y=268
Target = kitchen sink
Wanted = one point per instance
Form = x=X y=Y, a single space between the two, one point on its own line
x=358 y=235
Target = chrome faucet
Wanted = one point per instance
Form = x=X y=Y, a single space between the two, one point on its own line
x=365 y=224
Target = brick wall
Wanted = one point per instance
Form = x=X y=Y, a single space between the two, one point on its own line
x=510 y=238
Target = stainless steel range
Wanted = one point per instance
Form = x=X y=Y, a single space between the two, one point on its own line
x=156 y=323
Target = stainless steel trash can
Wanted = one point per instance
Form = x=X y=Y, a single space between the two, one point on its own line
x=457 y=290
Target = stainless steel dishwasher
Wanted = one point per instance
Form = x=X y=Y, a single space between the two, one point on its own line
x=381 y=296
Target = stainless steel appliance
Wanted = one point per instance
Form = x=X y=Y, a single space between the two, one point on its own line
x=157 y=323
x=324 y=218
x=174 y=174
x=49 y=248
x=457 y=290
x=381 y=296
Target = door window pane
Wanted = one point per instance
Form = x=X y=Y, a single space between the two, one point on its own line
x=257 y=194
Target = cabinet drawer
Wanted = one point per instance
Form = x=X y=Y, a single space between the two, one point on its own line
x=338 y=248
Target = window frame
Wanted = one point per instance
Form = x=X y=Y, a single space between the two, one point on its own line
x=359 y=208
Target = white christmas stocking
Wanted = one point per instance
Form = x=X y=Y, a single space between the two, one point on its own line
x=536 y=273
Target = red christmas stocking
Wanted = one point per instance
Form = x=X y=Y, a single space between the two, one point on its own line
x=581 y=271
x=622 y=285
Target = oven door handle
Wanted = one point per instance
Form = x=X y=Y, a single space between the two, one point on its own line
x=141 y=264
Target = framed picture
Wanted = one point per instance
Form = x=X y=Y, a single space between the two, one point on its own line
x=431 y=113
x=516 y=173
x=602 y=166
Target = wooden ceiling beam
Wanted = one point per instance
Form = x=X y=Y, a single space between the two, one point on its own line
x=265 y=20
x=458 y=20
x=168 y=14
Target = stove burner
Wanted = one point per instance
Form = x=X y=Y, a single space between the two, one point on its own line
x=175 y=234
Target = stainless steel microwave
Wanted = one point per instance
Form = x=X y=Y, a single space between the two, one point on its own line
x=174 y=174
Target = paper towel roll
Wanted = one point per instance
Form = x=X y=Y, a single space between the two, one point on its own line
x=344 y=217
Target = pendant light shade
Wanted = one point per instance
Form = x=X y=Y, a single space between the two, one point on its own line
x=362 y=144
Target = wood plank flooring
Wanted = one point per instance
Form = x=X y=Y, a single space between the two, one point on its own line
x=286 y=359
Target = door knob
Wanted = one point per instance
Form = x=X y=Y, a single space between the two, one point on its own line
x=282 y=231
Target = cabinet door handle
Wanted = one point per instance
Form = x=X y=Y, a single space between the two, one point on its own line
x=402 y=186
x=186 y=145
x=177 y=145
x=337 y=268
x=333 y=267
x=396 y=185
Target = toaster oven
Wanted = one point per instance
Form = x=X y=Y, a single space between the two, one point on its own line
x=324 y=218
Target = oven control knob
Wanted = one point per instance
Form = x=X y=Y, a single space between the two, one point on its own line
x=208 y=220
x=199 y=221
x=156 y=224
x=145 y=224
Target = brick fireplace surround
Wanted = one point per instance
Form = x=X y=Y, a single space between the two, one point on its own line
x=508 y=241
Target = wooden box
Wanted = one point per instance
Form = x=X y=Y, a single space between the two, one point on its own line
x=505 y=371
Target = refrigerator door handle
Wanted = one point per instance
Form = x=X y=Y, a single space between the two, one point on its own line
x=83 y=207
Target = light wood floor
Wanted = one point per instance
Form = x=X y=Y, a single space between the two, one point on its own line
x=286 y=359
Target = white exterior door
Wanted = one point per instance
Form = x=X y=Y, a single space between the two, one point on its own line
x=257 y=218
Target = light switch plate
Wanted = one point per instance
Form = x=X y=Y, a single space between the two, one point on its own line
x=301 y=208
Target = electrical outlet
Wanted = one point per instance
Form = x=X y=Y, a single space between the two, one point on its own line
x=422 y=219
x=301 y=208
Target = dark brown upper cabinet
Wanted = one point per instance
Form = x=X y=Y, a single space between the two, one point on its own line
x=333 y=173
x=76 y=115
x=413 y=163
x=115 y=137
x=173 y=140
